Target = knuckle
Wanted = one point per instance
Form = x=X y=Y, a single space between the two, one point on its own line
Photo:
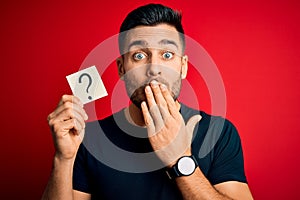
x=149 y=94
x=74 y=122
x=65 y=96
x=148 y=120
x=162 y=104
x=49 y=117
x=68 y=104
x=69 y=112
x=50 y=122
x=57 y=128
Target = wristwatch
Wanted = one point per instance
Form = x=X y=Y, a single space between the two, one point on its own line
x=185 y=166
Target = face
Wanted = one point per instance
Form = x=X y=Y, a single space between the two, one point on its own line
x=152 y=53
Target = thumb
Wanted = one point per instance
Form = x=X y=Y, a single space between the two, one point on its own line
x=190 y=125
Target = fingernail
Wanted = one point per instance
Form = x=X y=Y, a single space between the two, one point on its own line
x=143 y=104
x=86 y=116
x=81 y=104
x=163 y=87
x=148 y=89
x=154 y=83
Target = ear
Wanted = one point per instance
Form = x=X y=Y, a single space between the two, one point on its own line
x=121 y=70
x=184 y=66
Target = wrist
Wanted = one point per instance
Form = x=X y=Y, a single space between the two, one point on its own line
x=188 y=152
x=60 y=160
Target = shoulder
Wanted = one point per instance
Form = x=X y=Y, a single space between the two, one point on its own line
x=208 y=122
x=212 y=132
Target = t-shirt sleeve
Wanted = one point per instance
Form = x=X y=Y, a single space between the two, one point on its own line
x=80 y=172
x=228 y=161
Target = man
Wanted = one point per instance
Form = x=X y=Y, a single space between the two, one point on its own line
x=162 y=136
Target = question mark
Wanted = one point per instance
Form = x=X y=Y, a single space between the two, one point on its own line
x=90 y=83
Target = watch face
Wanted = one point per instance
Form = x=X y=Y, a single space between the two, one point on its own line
x=186 y=166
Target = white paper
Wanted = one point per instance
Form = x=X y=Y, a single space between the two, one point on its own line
x=87 y=85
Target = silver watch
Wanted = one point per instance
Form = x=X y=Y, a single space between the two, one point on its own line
x=185 y=166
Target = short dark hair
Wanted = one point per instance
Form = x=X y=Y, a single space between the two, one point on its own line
x=151 y=15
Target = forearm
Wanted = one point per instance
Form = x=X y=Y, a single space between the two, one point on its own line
x=59 y=186
x=196 y=187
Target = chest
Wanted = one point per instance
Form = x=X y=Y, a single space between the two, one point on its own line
x=112 y=184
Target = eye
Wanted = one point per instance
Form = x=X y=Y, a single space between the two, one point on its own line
x=168 y=55
x=139 y=56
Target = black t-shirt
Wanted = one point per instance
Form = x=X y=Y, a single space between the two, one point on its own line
x=115 y=160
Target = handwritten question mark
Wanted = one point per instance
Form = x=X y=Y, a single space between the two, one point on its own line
x=90 y=82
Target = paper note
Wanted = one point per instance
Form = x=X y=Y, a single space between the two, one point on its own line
x=87 y=85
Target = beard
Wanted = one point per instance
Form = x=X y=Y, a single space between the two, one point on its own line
x=136 y=92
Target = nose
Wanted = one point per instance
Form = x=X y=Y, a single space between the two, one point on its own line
x=154 y=67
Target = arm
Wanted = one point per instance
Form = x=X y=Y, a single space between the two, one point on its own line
x=171 y=139
x=197 y=186
x=60 y=183
x=67 y=127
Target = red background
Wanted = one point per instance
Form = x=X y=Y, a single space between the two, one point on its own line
x=255 y=46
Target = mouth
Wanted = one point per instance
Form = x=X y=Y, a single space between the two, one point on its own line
x=159 y=81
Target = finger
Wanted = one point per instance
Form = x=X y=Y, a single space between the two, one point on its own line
x=70 y=98
x=160 y=101
x=191 y=124
x=70 y=114
x=72 y=124
x=78 y=128
x=173 y=110
x=73 y=115
x=153 y=109
x=81 y=135
x=65 y=114
x=157 y=117
x=68 y=105
x=149 y=96
x=67 y=100
x=147 y=118
x=65 y=127
x=164 y=111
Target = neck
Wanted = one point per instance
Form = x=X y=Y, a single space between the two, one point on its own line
x=136 y=115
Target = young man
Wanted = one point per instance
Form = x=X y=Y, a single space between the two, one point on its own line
x=160 y=138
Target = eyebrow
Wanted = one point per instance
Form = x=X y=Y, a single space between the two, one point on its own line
x=166 y=42
x=137 y=43
x=143 y=43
